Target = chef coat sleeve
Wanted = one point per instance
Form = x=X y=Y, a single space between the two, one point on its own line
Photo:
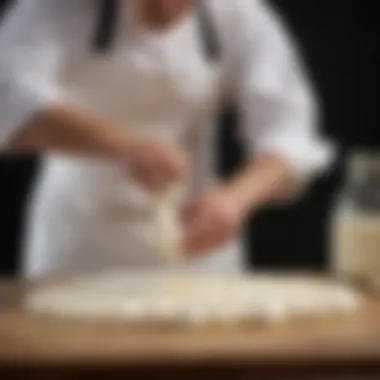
x=279 y=112
x=29 y=62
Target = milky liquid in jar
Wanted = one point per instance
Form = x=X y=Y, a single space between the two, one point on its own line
x=355 y=227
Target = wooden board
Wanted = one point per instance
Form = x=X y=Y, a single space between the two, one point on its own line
x=27 y=340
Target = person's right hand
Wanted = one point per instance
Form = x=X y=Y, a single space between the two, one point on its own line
x=155 y=164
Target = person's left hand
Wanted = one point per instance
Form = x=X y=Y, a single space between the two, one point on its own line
x=210 y=221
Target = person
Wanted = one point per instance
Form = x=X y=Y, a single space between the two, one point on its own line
x=123 y=97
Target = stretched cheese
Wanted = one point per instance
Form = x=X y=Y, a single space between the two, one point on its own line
x=168 y=224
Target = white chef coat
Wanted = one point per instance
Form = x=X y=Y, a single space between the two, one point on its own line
x=89 y=216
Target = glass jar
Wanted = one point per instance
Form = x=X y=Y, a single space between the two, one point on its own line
x=355 y=228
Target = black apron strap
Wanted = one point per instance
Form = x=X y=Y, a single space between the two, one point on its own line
x=106 y=25
x=208 y=33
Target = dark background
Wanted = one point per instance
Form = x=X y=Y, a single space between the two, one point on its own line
x=339 y=41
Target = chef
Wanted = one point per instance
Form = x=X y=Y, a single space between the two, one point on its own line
x=123 y=98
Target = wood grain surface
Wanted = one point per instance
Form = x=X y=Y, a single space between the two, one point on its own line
x=312 y=346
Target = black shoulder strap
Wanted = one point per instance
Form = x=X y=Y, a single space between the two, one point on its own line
x=208 y=33
x=106 y=26
x=5 y=7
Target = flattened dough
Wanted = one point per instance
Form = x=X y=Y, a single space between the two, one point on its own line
x=153 y=297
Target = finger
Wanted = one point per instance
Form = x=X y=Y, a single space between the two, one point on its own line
x=188 y=212
x=146 y=177
x=201 y=236
x=174 y=171
x=199 y=243
x=179 y=167
x=182 y=167
x=163 y=175
x=159 y=171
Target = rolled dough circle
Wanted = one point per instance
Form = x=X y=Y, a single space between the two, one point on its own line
x=191 y=299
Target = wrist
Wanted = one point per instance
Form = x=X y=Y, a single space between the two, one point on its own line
x=117 y=143
x=236 y=195
x=124 y=146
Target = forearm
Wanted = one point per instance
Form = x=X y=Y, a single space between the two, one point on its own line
x=264 y=180
x=67 y=129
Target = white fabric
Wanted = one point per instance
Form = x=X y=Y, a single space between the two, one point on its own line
x=89 y=216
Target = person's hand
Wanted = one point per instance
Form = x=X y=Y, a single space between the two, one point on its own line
x=210 y=221
x=155 y=164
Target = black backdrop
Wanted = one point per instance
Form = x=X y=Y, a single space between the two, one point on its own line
x=339 y=41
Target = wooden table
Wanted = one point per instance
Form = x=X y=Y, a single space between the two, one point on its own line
x=344 y=349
